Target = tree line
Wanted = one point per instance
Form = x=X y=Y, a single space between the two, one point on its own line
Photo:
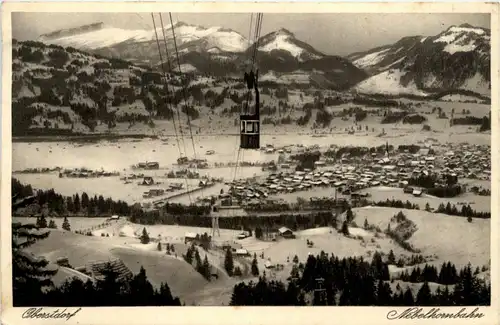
x=328 y=280
x=443 y=188
x=292 y=220
x=72 y=205
x=465 y=211
x=447 y=275
x=449 y=209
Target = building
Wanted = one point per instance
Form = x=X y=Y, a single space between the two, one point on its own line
x=286 y=233
x=268 y=265
x=63 y=261
x=242 y=236
x=408 y=190
x=148 y=180
x=189 y=237
x=242 y=252
x=152 y=165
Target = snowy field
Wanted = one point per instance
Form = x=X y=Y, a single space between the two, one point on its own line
x=449 y=237
x=76 y=223
x=478 y=203
x=116 y=189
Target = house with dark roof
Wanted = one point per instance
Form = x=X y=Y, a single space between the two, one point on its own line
x=286 y=232
x=99 y=269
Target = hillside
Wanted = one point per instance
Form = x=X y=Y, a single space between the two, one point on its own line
x=80 y=250
x=464 y=242
x=63 y=91
x=72 y=91
x=456 y=59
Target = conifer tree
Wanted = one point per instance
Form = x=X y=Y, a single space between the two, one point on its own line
x=76 y=203
x=391 y=259
x=228 y=262
x=366 y=224
x=237 y=271
x=427 y=207
x=468 y=288
x=255 y=267
x=144 y=237
x=141 y=290
x=197 y=258
x=66 y=225
x=408 y=299
x=52 y=224
x=349 y=215
x=345 y=228
x=29 y=273
x=41 y=222
x=424 y=295
x=206 y=269
x=384 y=294
x=189 y=255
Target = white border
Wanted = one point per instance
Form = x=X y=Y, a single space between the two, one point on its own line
x=233 y=315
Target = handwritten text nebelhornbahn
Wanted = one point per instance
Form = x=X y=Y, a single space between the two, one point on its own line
x=433 y=313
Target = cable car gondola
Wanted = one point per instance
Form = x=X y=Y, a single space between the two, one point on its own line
x=250 y=122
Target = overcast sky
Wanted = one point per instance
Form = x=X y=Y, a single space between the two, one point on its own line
x=338 y=34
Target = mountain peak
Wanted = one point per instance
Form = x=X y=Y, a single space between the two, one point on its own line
x=466 y=26
x=72 y=31
x=284 y=31
x=285 y=41
x=180 y=24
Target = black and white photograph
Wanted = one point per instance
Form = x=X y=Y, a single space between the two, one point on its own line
x=250 y=158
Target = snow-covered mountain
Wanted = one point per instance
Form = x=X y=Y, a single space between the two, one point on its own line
x=283 y=40
x=99 y=36
x=456 y=59
x=215 y=51
x=280 y=55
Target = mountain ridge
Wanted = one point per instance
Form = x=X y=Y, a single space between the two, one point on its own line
x=455 y=59
x=458 y=58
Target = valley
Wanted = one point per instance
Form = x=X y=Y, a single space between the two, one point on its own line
x=371 y=167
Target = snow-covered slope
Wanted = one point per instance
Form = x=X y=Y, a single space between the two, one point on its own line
x=388 y=83
x=464 y=38
x=385 y=57
x=456 y=59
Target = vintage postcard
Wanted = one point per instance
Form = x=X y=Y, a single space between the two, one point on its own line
x=195 y=158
